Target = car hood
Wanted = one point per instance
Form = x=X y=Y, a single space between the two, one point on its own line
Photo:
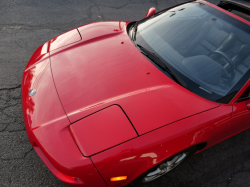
x=105 y=68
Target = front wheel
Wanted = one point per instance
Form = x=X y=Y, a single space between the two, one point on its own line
x=165 y=167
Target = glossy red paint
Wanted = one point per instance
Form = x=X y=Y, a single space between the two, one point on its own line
x=66 y=179
x=40 y=54
x=151 y=12
x=102 y=72
x=94 y=31
x=38 y=113
x=240 y=118
x=58 y=146
x=90 y=136
x=48 y=131
x=152 y=148
x=84 y=87
x=241 y=114
x=64 y=39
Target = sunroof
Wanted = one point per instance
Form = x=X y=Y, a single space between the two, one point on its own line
x=240 y=14
x=238 y=9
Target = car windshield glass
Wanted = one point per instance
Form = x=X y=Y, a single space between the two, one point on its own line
x=207 y=46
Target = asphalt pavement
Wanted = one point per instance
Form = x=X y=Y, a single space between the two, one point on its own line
x=24 y=26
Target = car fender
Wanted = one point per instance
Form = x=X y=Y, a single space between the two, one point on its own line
x=135 y=157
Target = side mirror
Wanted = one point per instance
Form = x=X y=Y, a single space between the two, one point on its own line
x=150 y=12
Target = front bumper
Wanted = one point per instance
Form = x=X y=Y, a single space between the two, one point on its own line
x=72 y=181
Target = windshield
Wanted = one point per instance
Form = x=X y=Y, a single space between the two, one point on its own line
x=203 y=44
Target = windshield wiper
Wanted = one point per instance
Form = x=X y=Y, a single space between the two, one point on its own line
x=161 y=64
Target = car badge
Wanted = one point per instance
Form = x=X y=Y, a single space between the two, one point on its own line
x=32 y=92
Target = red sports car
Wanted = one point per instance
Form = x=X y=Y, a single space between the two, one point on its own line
x=113 y=103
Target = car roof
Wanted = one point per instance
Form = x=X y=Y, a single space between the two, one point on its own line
x=227 y=6
x=234 y=3
x=236 y=8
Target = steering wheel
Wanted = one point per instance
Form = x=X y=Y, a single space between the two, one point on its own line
x=231 y=73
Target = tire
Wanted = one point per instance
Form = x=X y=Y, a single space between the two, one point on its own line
x=164 y=167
